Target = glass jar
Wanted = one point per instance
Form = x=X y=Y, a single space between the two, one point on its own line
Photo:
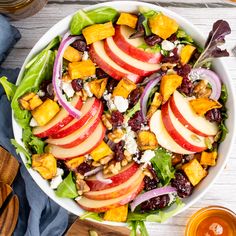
x=19 y=9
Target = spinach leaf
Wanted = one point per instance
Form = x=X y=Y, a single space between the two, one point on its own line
x=215 y=38
x=67 y=188
x=133 y=110
x=40 y=70
x=8 y=87
x=91 y=215
x=82 y=19
x=162 y=165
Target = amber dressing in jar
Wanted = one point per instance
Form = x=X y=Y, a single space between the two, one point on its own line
x=212 y=221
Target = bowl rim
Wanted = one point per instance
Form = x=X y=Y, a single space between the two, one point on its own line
x=47 y=37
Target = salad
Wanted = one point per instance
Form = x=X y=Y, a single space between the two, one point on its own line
x=123 y=113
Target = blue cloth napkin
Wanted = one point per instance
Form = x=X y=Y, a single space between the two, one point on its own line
x=38 y=214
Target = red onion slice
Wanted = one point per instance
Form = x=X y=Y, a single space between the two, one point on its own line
x=57 y=74
x=100 y=177
x=145 y=95
x=212 y=78
x=93 y=172
x=151 y=194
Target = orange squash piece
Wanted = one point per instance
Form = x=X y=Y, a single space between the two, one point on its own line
x=75 y=162
x=124 y=88
x=98 y=87
x=208 y=158
x=102 y=150
x=118 y=214
x=127 y=19
x=163 y=26
x=186 y=53
x=72 y=54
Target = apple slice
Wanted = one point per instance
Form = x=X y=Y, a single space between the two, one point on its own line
x=182 y=110
x=79 y=135
x=59 y=121
x=181 y=134
x=88 y=111
x=130 y=46
x=127 y=61
x=125 y=173
x=83 y=148
x=164 y=139
x=99 y=56
x=105 y=205
x=118 y=190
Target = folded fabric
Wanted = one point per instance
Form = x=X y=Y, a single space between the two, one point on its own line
x=38 y=214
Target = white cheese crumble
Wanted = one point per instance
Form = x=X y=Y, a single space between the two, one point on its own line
x=130 y=143
x=85 y=56
x=33 y=123
x=67 y=88
x=167 y=45
x=179 y=47
x=57 y=180
x=121 y=103
x=144 y=127
x=41 y=93
x=147 y=156
x=87 y=90
x=110 y=104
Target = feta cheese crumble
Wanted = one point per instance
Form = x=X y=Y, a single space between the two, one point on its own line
x=33 y=123
x=130 y=143
x=167 y=45
x=110 y=104
x=121 y=103
x=87 y=90
x=57 y=180
x=67 y=88
x=147 y=156
x=85 y=56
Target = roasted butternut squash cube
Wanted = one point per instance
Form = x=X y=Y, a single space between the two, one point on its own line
x=194 y=171
x=156 y=102
x=98 y=87
x=124 y=88
x=24 y=101
x=208 y=158
x=71 y=54
x=45 y=164
x=162 y=25
x=66 y=77
x=169 y=83
x=45 y=112
x=75 y=162
x=127 y=19
x=81 y=69
x=186 y=53
x=102 y=150
x=35 y=102
x=118 y=214
x=96 y=32
x=202 y=105
x=28 y=96
x=147 y=140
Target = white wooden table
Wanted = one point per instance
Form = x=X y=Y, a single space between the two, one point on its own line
x=201 y=13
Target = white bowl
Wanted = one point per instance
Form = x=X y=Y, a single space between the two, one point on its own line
x=131 y=6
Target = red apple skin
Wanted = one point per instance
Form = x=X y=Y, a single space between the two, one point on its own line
x=123 y=64
x=83 y=120
x=86 y=133
x=118 y=75
x=121 y=177
x=135 y=52
x=175 y=134
x=127 y=198
x=90 y=146
x=54 y=129
x=98 y=195
x=182 y=119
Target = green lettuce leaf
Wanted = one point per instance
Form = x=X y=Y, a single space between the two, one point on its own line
x=67 y=188
x=91 y=215
x=162 y=165
x=133 y=110
x=184 y=37
x=8 y=87
x=154 y=49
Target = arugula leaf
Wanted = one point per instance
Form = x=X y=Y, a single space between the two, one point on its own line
x=37 y=144
x=67 y=188
x=154 y=49
x=215 y=38
x=184 y=37
x=8 y=87
x=162 y=165
x=91 y=215
x=21 y=149
x=133 y=110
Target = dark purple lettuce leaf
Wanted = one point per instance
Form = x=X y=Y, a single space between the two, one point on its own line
x=215 y=38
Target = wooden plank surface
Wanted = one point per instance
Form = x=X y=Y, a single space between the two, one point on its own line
x=200 y=13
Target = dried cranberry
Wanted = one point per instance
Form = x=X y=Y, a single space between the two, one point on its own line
x=47 y=87
x=111 y=84
x=117 y=118
x=62 y=165
x=171 y=59
x=139 y=28
x=186 y=87
x=134 y=96
x=83 y=168
x=149 y=183
x=214 y=115
x=136 y=121
x=77 y=84
x=155 y=203
x=182 y=184
x=172 y=38
x=153 y=172
x=80 y=45
x=101 y=74
x=184 y=70
x=119 y=150
x=152 y=40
